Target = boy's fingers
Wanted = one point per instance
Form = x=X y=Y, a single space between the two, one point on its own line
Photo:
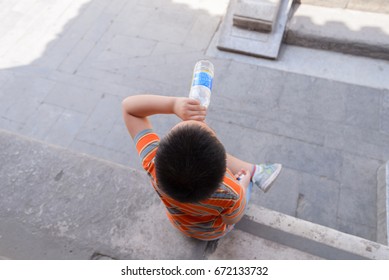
x=200 y=113
x=197 y=118
x=195 y=104
x=193 y=101
x=197 y=108
x=241 y=174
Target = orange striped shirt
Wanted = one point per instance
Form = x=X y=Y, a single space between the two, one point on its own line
x=201 y=220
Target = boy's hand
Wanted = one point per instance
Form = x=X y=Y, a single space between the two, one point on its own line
x=243 y=177
x=189 y=109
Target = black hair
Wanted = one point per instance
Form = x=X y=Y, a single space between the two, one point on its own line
x=190 y=163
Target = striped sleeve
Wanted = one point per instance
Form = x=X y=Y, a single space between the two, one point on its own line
x=146 y=143
x=237 y=205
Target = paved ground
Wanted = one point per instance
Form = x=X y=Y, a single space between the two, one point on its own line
x=65 y=66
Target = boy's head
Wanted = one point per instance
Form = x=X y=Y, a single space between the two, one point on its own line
x=190 y=162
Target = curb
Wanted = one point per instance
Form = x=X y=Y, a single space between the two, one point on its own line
x=383 y=204
x=308 y=237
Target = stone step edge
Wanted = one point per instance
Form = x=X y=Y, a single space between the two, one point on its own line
x=308 y=237
x=325 y=36
x=383 y=204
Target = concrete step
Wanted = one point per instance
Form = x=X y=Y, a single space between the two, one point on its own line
x=308 y=237
x=57 y=204
x=376 y=6
x=383 y=204
x=249 y=42
x=241 y=245
x=256 y=15
x=342 y=30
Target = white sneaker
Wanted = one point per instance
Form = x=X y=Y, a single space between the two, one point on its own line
x=265 y=175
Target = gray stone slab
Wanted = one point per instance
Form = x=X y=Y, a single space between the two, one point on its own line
x=256 y=15
x=4 y=77
x=39 y=124
x=173 y=25
x=66 y=128
x=201 y=32
x=73 y=98
x=318 y=200
x=341 y=30
x=90 y=84
x=363 y=109
x=10 y=125
x=22 y=91
x=314 y=98
x=101 y=120
x=125 y=25
x=308 y=158
x=118 y=138
x=308 y=237
x=293 y=130
x=71 y=63
x=78 y=201
x=384 y=116
x=22 y=109
x=376 y=6
x=289 y=182
x=21 y=241
x=131 y=46
x=30 y=45
x=326 y=3
x=168 y=73
x=28 y=14
x=335 y=66
x=250 y=42
x=128 y=158
x=360 y=142
x=383 y=204
x=356 y=229
x=85 y=71
x=77 y=28
x=252 y=24
x=387 y=201
x=239 y=245
x=357 y=202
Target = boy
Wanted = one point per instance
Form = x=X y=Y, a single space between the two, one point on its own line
x=204 y=189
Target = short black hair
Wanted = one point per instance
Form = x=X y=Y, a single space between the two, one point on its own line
x=190 y=163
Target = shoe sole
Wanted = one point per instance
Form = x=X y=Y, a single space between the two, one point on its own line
x=271 y=180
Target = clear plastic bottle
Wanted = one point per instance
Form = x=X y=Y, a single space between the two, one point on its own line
x=202 y=82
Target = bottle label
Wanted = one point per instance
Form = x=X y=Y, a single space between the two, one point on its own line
x=202 y=79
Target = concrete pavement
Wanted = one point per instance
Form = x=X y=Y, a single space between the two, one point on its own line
x=66 y=66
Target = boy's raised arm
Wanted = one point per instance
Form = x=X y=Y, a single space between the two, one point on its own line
x=137 y=108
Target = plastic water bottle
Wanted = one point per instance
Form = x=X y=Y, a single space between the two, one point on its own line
x=202 y=82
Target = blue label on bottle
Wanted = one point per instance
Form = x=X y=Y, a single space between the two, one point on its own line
x=202 y=79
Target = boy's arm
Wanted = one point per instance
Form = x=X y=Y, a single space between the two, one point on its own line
x=137 y=108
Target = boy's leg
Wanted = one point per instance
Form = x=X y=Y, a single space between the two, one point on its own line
x=235 y=165
x=263 y=175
